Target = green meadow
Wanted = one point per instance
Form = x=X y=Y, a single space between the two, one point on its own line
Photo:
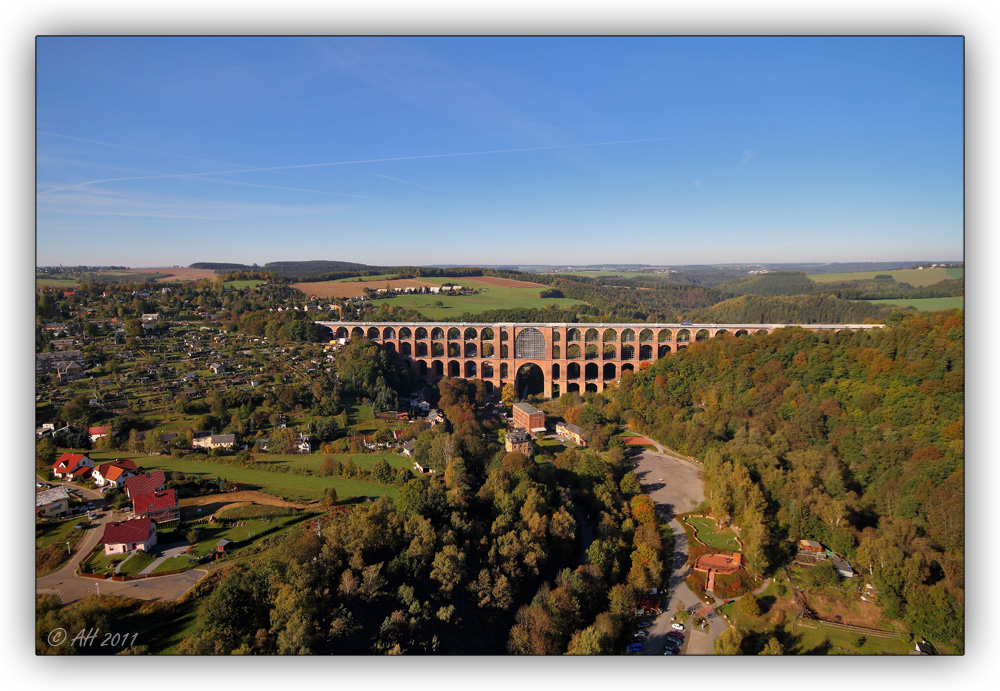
x=490 y=297
x=276 y=479
x=915 y=277
x=924 y=304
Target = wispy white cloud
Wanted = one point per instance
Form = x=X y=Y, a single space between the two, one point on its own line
x=748 y=155
x=407 y=182
x=99 y=203
x=301 y=166
x=136 y=148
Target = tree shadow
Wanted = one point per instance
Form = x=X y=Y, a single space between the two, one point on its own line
x=765 y=603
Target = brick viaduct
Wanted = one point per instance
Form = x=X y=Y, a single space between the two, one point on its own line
x=572 y=357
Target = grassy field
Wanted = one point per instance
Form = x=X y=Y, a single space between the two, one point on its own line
x=60 y=533
x=55 y=282
x=244 y=284
x=810 y=637
x=707 y=532
x=173 y=564
x=924 y=304
x=136 y=563
x=915 y=277
x=210 y=534
x=282 y=484
x=491 y=297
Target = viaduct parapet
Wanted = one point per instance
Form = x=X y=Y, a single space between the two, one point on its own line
x=571 y=357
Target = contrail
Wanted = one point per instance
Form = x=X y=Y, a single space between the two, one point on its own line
x=359 y=161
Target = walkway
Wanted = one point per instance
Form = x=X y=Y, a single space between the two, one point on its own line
x=71 y=588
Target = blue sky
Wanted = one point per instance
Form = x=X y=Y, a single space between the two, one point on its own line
x=163 y=151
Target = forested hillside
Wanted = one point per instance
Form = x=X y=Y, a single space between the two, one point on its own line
x=854 y=439
x=485 y=556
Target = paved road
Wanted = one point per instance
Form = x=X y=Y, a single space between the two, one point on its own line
x=675 y=485
x=70 y=587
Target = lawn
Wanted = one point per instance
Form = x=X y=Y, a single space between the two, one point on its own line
x=490 y=297
x=314 y=461
x=209 y=534
x=924 y=304
x=136 y=563
x=915 y=277
x=244 y=284
x=173 y=564
x=59 y=533
x=779 y=618
x=282 y=484
x=707 y=531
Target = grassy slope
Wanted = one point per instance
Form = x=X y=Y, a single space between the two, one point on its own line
x=924 y=304
x=915 y=277
x=276 y=482
x=491 y=297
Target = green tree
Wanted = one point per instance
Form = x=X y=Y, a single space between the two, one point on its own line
x=45 y=451
x=448 y=568
x=729 y=642
x=772 y=647
x=153 y=441
x=330 y=497
x=749 y=605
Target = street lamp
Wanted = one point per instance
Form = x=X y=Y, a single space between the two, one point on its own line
x=68 y=550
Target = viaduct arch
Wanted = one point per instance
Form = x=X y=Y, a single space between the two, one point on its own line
x=571 y=357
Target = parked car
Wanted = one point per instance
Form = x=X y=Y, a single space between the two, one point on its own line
x=90 y=506
x=677 y=626
x=643 y=625
x=676 y=635
x=633 y=648
x=668 y=651
x=641 y=634
x=670 y=645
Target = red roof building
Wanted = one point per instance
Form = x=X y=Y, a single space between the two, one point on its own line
x=98 y=432
x=114 y=473
x=125 y=536
x=72 y=464
x=159 y=506
x=147 y=483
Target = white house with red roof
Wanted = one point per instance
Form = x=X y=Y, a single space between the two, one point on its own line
x=72 y=465
x=125 y=536
x=98 y=432
x=115 y=473
x=160 y=506
x=146 y=483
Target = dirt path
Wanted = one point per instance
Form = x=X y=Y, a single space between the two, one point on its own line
x=210 y=504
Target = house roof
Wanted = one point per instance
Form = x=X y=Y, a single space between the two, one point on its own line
x=114 y=471
x=154 y=501
x=223 y=438
x=67 y=461
x=146 y=483
x=134 y=530
x=518 y=436
x=98 y=430
x=570 y=427
x=50 y=496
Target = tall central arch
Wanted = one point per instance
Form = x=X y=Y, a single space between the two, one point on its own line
x=529 y=344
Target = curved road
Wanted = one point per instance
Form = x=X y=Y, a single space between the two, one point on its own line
x=675 y=485
x=70 y=587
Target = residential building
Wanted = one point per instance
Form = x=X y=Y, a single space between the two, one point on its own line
x=98 y=432
x=115 y=473
x=160 y=506
x=518 y=440
x=214 y=441
x=72 y=465
x=571 y=431
x=125 y=536
x=51 y=502
x=145 y=483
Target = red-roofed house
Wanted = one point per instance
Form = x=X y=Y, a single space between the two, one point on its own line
x=72 y=464
x=114 y=473
x=160 y=506
x=125 y=536
x=147 y=483
x=98 y=432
